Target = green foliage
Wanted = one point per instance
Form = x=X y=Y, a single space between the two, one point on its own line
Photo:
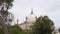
x=4 y=13
x=5 y=5
x=1 y=32
x=9 y=1
x=14 y=30
x=43 y=25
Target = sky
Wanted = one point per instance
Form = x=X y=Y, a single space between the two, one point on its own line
x=51 y=8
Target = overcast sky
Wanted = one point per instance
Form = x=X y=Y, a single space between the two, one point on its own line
x=51 y=8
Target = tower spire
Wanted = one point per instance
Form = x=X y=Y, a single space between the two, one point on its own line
x=31 y=11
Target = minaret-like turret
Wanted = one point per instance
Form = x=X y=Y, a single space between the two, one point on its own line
x=31 y=11
x=26 y=25
x=26 y=18
x=17 y=21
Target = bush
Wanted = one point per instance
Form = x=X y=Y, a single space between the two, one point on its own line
x=1 y=32
x=14 y=30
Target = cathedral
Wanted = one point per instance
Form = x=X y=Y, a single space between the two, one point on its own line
x=26 y=26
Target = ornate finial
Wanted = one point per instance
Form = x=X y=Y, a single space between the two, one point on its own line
x=31 y=11
x=17 y=21
x=26 y=18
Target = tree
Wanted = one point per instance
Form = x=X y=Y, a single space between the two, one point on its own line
x=9 y=19
x=16 y=30
x=1 y=1
x=4 y=6
x=1 y=32
x=43 y=25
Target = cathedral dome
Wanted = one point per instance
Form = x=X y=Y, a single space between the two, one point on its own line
x=31 y=17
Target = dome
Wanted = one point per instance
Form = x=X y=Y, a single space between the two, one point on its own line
x=31 y=17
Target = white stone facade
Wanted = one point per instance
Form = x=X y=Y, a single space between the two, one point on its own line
x=29 y=21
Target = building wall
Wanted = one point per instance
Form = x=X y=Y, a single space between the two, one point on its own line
x=23 y=26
